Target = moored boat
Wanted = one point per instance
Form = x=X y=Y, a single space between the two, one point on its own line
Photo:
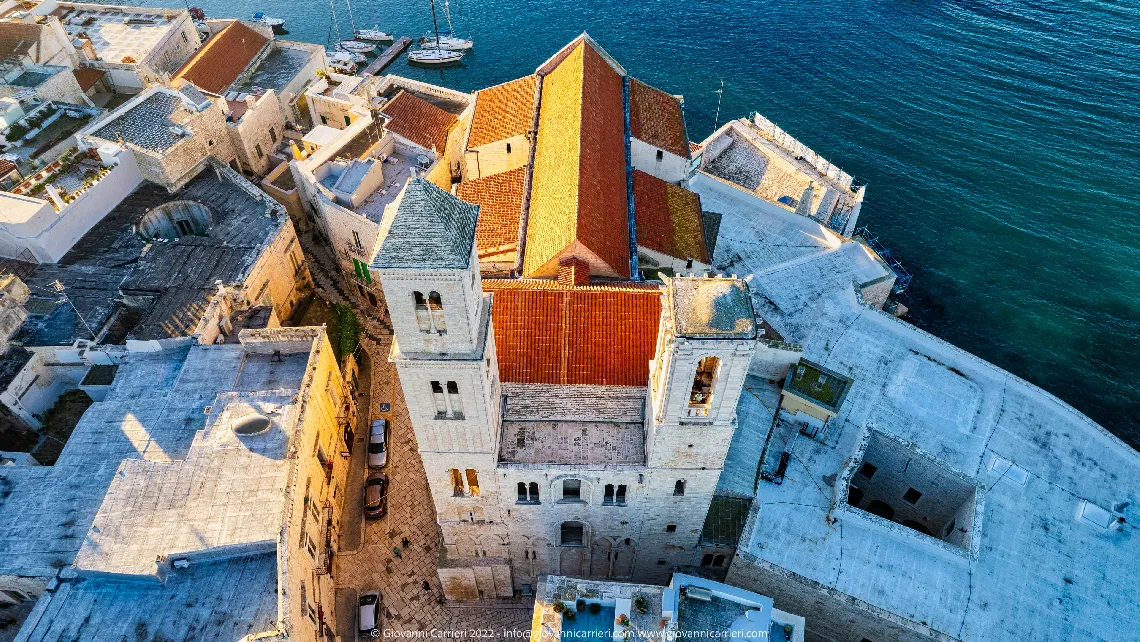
x=434 y=56
x=374 y=34
x=356 y=46
x=268 y=21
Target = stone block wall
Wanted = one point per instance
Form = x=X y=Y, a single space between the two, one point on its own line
x=256 y=135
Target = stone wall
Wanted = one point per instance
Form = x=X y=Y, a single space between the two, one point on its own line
x=671 y=168
x=256 y=135
x=493 y=158
x=280 y=277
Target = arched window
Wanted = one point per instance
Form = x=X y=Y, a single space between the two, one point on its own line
x=620 y=500
x=572 y=490
x=608 y=498
x=454 y=399
x=423 y=317
x=704 y=384
x=456 y=483
x=522 y=492
x=372 y=299
x=707 y=560
x=534 y=492
x=679 y=488
x=418 y=298
x=472 y=482
x=435 y=305
x=572 y=534
x=718 y=560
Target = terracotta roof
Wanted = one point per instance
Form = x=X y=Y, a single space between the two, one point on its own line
x=6 y=167
x=502 y=112
x=694 y=147
x=655 y=118
x=499 y=198
x=223 y=58
x=578 y=193
x=574 y=335
x=418 y=120
x=87 y=77
x=668 y=218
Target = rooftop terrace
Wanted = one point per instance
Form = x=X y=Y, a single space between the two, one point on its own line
x=119 y=34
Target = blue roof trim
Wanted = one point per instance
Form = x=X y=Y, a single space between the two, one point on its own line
x=634 y=269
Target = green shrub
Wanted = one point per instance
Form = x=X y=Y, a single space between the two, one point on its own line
x=640 y=604
x=580 y=605
x=570 y=615
x=559 y=607
x=595 y=608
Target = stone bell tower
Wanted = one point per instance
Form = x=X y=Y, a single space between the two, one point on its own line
x=444 y=352
x=705 y=344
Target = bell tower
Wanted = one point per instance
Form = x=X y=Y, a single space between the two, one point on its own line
x=444 y=348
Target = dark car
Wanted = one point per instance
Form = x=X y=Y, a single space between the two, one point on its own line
x=376 y=495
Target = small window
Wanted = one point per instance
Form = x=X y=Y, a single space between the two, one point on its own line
x=661 y=562
x=949 y=528
x=679 y=488
x=418 y=297
x=456 y=482
x=257 y=148
x=347 y=120
x=508 y=148
x=357 y=243
x=372 y=300
x=718 y=561
x=534 y=492
x=324 y=121
x=660 y=155
x=522 y=492
x=608 y=497
x=573 y=534
x=620 y=495
x=184 y=38
x=868 y=470
x=472 y=482
x=707 y=560
x=273 y=135
x=210 y=143
x=435 y=301
x=912 y=495
x=670 y=528
x=572 y=490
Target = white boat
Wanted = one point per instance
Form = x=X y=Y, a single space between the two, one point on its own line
x=342 y=63
x=269 y=21
x=347 y=55
x=446 y=41
x=203 y=31
x=374 y=34
x=434 y=56
x=356 y=46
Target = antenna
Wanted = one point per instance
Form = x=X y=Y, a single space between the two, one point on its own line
x=719 y=95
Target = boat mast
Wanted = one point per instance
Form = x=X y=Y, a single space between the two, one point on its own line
x=336 y=27
x=447 y=12
x=434 y=23
x=351 y=18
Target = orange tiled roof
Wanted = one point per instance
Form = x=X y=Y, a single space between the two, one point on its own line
x=668 y=218
x=502 y=112
x=578 y=201
x=499 y=198
x=87 y=77
x=553 y=334
x=694 y=147
x=418 y=120
x=655 y=118
x=219 y=63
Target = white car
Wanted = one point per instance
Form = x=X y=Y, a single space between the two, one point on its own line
x=368 y=620
x=378 y=444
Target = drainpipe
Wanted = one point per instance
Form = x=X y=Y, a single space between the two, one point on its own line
x=525 y=215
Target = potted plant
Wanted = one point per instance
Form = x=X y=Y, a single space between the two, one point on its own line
x=641 y=604
x=595 y=608
x=559 y=607
x=580 y=605
x=570 y=615
x=623 y=620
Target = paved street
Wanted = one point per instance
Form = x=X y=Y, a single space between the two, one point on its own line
x=400 y=577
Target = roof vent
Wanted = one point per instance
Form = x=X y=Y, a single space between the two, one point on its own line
x=573 y=271
x=249 y=425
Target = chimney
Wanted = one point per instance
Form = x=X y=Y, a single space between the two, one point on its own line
x=573 y=271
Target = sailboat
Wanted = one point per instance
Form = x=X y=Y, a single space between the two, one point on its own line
x=269 y=21
x=374 y=34
x=346 y=55
x=434 y=55
x=342 y=63
x=446 y=39
x=355 y=46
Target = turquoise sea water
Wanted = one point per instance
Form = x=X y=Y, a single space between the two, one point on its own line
x=1000 y=141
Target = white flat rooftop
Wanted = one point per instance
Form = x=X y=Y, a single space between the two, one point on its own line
x=119 y=32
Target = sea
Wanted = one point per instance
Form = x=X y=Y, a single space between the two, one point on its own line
x=999 y=139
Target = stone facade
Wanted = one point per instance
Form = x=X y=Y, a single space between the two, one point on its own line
x=634 y=511
x=257 y=132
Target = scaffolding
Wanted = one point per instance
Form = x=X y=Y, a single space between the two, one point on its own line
x=902 y=276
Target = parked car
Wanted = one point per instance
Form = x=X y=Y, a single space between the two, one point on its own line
x=378 y=444
x=376 y=495
x=368 y=619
